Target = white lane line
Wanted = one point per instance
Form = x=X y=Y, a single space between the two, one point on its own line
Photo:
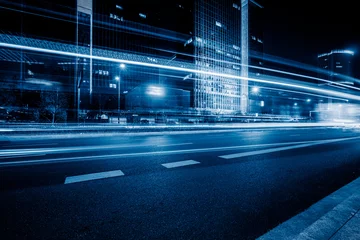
x=175 y=144
x=180 y=164
x=32 y=145
x=258 y=152
x=22 y=156
x=169 y=152
x=93 y=176
x=8 y=152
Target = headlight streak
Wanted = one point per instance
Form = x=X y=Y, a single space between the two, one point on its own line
x=153 y=65
x=273 y=70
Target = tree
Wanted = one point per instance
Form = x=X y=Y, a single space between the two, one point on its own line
x=54 y=104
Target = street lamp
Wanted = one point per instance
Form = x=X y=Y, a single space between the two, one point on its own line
x=255 y=89
x=308 y=100
x=118 y=79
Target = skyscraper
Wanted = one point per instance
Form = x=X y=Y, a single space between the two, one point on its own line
x=216 y=36
x=336 y=66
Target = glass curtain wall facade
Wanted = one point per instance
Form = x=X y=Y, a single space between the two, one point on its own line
x=217 y=49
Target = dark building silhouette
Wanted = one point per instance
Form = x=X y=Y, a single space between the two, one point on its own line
x=336 y=66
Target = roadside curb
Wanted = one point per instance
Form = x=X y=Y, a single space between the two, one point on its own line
x=323 y=219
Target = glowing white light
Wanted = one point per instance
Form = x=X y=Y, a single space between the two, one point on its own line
x=308 y=100
x=157 y=91
x=262 y=103
x=295 y=104
x=218 y=24
x=336 y=51
x=255 y=89
x=122 y=65
x=117 y=78
x=181 y=69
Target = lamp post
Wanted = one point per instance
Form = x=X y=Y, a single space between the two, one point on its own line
x=118 y=79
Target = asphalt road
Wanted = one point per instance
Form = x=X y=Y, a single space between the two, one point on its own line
x=212 y=185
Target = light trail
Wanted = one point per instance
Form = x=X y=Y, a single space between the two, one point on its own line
x=262 y=87
x=269 y=69
x=153 y=65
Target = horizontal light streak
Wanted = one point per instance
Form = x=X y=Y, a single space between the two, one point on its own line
x=268 y=69
x=153 y=65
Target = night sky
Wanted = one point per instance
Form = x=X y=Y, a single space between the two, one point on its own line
x=299 y=30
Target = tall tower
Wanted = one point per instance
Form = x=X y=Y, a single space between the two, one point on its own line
x=217 y=44
x=336 y=66
x=244 y=56
x=84 y=38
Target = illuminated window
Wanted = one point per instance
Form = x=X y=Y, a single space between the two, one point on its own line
x=236 y=6
x=253 y=38
x=142 y=15
x=236 y=47
x=116 y=17
x=152 y=59
x=259 y=40
x=188 y=41
x=218 y=24
x=339 y=66
x=119 y=7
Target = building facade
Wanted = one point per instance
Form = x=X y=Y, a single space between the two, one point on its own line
x=216 y=36
x=336 y=66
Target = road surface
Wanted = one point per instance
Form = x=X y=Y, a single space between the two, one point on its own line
x=237 y=184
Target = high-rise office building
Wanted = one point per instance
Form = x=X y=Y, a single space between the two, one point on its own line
x=217 y=36
x=336 y=66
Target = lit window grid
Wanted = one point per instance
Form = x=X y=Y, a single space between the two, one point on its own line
x=214 y=93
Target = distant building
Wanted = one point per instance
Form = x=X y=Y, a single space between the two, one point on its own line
x=336 y=66
x=220 y=36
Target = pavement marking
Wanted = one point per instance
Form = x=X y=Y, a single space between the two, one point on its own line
x=264 y=151
x=15 y=151
x=22 y=156
x=93 y=176
x=169 y=152
x=175 y=144
x=180 y=164
x=31 y=145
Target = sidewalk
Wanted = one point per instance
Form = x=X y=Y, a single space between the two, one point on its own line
x=337 y=216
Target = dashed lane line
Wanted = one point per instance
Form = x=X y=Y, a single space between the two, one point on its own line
x=180 y=163
x=93 y=176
